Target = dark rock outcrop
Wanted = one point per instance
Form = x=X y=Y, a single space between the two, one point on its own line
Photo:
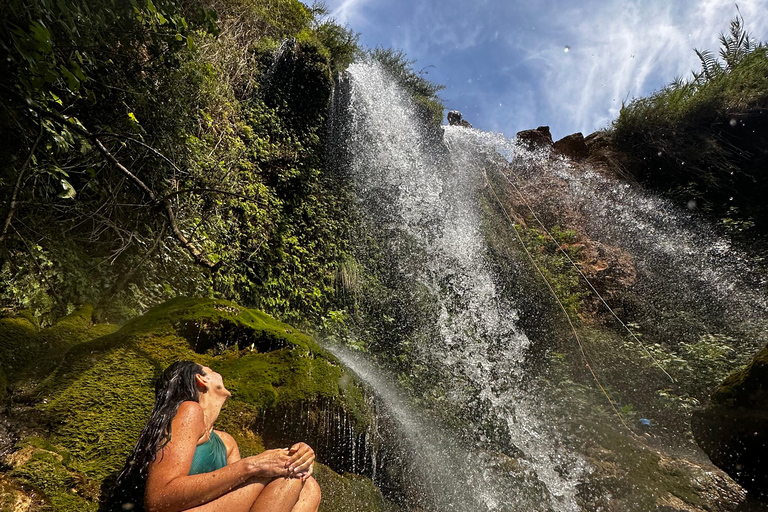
x=455 y=119
x=572 y=146
x=733 y=429
x=535 y=139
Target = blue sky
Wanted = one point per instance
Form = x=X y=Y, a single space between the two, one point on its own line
x=504 y=62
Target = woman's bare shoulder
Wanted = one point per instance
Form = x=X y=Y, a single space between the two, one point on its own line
x=191 y=414
x=233 y=452
x=229 y=441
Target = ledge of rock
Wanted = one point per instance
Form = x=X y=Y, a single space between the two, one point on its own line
x=572 y=146
x=733 y=429
x=535 y=139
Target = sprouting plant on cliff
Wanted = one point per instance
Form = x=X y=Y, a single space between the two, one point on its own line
x=423 y=91
x=734 y=47
x=697 y=140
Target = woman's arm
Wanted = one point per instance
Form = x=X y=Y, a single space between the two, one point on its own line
x=170 y=488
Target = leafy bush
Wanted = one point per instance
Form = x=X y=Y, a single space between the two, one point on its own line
x=155 y=148
x=414 y=82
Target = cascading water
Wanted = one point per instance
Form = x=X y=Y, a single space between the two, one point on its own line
x=476 y=350
x=483 y=438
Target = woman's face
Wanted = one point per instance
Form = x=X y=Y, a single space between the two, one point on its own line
x=215 y=382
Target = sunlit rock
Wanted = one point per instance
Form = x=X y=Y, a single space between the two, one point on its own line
x=455 y=119
x=538 y=138
x=572 y=146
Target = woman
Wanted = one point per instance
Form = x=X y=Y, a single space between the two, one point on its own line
x=180 y=463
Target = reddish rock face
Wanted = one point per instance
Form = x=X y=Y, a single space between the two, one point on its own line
x=572 y=146
x=534 y=139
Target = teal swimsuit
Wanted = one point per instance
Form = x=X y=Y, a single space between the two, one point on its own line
x=209 y=456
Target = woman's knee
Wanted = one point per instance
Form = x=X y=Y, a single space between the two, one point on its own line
x=286 y=486
x=311 y=490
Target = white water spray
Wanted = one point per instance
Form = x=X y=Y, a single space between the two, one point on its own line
x=476 y=348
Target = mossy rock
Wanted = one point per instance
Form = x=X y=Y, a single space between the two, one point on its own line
x=98 y=398
x=350 y=493
x=733 y=429
x=747 y=387
x=19 y=343
x=28 y=353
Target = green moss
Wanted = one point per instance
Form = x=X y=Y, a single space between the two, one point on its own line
x=350 y=493
x=19 y=344
x=45 y=469
x=26 y=352
x=100 y=395
x=746 y=387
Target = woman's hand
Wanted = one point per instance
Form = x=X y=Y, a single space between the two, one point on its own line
x=302 y=461
x=270 y=463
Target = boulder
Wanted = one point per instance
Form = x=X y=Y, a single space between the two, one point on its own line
x=535 y=139
x=455 y=119
x=77 y=415
x=733 y=429
x=572 y=146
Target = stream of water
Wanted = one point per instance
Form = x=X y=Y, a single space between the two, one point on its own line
x=421 y=198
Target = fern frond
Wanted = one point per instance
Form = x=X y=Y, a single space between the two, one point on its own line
x=678 y=83
x=710 y=66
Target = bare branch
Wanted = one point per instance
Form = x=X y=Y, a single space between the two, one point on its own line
x=17 y=187
x=214 y=190
x=125 y=279
x=198 y=256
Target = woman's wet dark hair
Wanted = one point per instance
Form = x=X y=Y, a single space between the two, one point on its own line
x=175 y=385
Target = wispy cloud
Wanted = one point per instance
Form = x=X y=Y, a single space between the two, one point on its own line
x=621 y=51
x=348 y=12
x=505 y=64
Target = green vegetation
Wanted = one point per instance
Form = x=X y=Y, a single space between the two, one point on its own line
x=700 y=141
x=152 y=149
x=423 y=92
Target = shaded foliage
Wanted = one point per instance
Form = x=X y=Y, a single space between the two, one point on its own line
x=151 y=148
x=702 y=141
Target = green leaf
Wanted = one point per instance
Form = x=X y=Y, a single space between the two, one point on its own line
x=69 y=190
x=72 y=82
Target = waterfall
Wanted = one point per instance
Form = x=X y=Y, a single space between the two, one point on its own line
x=425 y=208
x=477 y=428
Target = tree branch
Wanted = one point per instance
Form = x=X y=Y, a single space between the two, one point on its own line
x=165 y=204
x=17 y=187
x=118 y=287
x=214 y=190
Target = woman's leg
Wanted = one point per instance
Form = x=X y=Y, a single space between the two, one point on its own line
x=309 y=499
x=240 y=499
x=276 y=495
x=280 y=495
